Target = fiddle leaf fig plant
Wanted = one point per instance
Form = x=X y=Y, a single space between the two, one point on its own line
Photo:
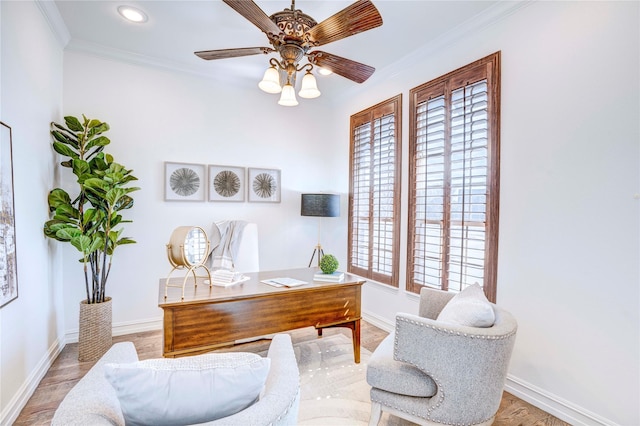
x=91 y=221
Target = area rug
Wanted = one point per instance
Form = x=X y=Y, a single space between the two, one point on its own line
x=333 y=389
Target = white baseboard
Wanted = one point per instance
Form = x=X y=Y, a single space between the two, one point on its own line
x=379 y=322
x=122 y=328
x=21 y=397
x=553 y=404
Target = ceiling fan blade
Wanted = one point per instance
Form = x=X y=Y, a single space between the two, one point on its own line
x=342 y=66
x=253 y=13
x=233 y=53
x=360 y=16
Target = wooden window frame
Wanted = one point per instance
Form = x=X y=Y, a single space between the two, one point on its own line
x=385 y=108
x=486 y=68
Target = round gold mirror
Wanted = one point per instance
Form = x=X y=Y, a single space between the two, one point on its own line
x=188 y=248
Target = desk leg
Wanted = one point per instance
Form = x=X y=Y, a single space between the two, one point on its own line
x=355 y=335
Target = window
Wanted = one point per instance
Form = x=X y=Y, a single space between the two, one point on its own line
x=454 y=179
x=374 y=191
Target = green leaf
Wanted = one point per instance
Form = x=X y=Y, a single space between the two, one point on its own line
x=53 y=226
x=96 y=244
x=80 y=167
x=96 y=185
x=99 y=141
x=115 y=220
x=98 y=163
x=114 y=194
x=125 y=240
x=124 y=203
x=58 y=197
x=63 y=149
x=82 y=243
x=68 y=233
x=67 y=210
x=89 y=216
x=73 y=124
x=64 y=138
x=93 y=123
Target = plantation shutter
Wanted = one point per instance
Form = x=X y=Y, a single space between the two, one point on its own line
x=454 y=178
x=374 y=189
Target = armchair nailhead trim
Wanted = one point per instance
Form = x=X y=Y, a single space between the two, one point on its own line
x=457 y=333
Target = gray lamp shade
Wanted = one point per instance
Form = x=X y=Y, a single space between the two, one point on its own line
x=323 y=205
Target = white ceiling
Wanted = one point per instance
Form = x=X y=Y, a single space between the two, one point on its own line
x=176 y=29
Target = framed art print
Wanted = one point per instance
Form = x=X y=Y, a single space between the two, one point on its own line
x=184 y=182
x=226 y=183
x=8 y=262
x=264 y=185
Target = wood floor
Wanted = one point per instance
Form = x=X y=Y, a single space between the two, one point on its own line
x=67 y=370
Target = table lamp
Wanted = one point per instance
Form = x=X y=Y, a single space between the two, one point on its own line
x=319 y=205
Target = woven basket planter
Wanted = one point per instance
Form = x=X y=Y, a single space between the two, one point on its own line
x=94 y=338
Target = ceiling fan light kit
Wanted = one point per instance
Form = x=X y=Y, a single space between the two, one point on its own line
x=271 y=81
x=309 y=87
x=292 y=34
x=288 y=97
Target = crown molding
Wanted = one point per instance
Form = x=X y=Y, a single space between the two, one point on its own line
x=52 y=15
x=105 y=52
x=501 y=10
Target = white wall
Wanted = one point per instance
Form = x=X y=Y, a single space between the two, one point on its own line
x=31 y=97
x=157 y=116
x=569 y=213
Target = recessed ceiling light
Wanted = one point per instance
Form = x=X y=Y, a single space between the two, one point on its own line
x=132 y=14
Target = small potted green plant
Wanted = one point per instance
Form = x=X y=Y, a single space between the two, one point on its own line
x=329 y=264
x=91 y=220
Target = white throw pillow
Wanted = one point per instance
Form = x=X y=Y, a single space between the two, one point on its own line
x=187 y=390
x=470 y=307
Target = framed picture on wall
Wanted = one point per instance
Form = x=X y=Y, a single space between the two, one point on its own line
x=184 y=182
x=8 y=262
x=226 y=183
x=264 y=185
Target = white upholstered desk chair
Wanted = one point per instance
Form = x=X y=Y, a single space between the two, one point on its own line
x=248 y=259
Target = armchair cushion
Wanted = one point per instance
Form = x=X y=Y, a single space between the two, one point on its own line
x=470 y=308
x=187 y=390
x=384 y=372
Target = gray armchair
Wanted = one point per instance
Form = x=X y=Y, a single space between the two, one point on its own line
x=433 y=373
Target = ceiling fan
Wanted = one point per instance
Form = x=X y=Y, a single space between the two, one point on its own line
x=293 y=34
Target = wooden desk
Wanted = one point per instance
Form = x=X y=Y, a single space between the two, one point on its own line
x=210 y=317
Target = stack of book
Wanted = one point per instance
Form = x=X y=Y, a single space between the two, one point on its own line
x=334 y=277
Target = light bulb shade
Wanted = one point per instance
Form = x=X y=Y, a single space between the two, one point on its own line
x=309 y=89
x=288 y=96
x=271 y=81
x=323 y=205
x=324 y=71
